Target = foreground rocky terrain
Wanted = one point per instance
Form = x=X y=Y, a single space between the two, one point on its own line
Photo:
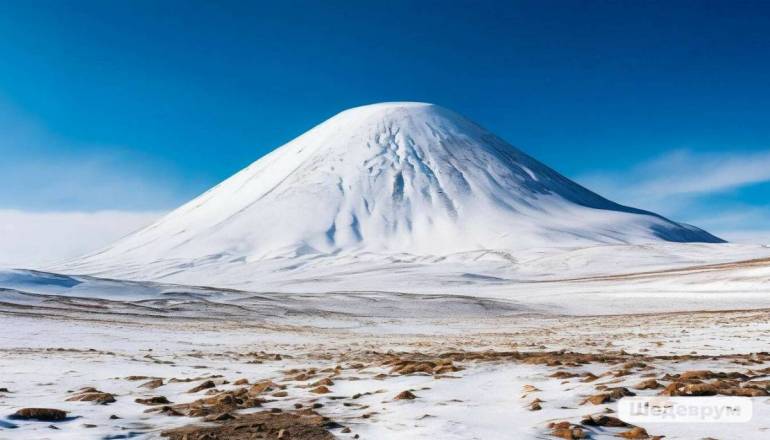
x=454 y=368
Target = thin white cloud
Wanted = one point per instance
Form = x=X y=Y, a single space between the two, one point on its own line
x=36 y=239
x=694 y=187
x=684 y=172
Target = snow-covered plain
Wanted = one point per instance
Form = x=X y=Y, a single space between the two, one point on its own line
x=64 y=332
x=53 y=344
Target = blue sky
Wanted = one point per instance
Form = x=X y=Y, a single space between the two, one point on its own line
x=137 y=106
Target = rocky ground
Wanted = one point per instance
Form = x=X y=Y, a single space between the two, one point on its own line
x=85 y=375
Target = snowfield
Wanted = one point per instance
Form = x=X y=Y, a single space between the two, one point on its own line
x=60 y=336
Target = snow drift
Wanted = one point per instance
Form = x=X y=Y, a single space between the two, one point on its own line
x=388 y=178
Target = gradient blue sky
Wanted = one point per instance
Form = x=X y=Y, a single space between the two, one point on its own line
x=137 y=106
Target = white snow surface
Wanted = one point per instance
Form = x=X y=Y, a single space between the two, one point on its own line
x=378 y=181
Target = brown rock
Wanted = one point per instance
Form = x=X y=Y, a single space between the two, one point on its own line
x=568 y=432
x=697 y=374
x=92 y=395
x=263 y=386
x=606 y=421
x=42 y=414
x=152 y=384
x=598 y=399
x=561 y=374
x=203 y=386
x=619 y=392
x=405 y=395
x=445 y=368
x=672 y=389
x=295 y=425
x=635 y=433
x=689 y=389
x=325 y=381
x=744 y=392
x=321 y=390
x=157 y=400
x=649 y=384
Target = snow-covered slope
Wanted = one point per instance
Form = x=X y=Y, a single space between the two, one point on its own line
x=392 y=178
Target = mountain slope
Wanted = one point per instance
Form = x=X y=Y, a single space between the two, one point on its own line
x=386 y=178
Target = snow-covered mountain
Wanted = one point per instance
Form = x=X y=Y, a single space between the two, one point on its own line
x=391 y=178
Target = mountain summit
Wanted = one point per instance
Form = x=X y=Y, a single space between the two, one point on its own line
x=388 y=178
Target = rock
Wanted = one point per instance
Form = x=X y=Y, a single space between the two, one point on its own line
x=648 y=384
x=672 y=389
x=220 y=417
x=405 y=395
x=298 y=425
x=42 y=414
x=92 y=395
x=169 y=411
x=203 y=386
x=698 y=374
x=152 y=384
x=744 y=392
x=699 y=389
x=157 y=400
x=561 y=374
x=321 y=390
x=445 y=368
x=345 y=430
x=242 y=381
x=597 y=399
x=760 y=384
x=619 y=392
x=635 y=433
x=634 y=364
x=280 y=394
x=325 y=381
x=605 y=421
x=263 y=386
x=567 y=431
x=689 y=389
